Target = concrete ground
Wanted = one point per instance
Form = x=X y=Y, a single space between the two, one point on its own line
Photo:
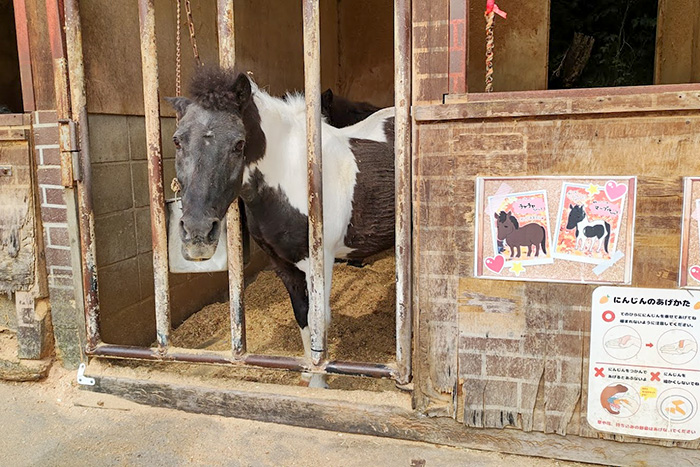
x=53 y=423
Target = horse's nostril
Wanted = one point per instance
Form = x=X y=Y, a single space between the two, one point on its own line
x=183 y=230
x=214 y=232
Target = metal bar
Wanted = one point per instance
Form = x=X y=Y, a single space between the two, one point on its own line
x=312 y=88
x=25 y=55
x=149 y=65
x=402 y=121
x=76 y=74
x=234 y=240
x=174 y=354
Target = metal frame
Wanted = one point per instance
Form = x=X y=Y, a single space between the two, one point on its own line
x=319 y=363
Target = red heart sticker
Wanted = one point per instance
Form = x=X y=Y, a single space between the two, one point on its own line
x=695 y=272
x=495 y=264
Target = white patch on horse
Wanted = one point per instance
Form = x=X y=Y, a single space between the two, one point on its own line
x=284 y=165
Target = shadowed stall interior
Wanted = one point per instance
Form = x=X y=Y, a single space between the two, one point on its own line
x=357 y=62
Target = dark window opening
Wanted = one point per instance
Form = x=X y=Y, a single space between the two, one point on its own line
x=10 y=83
x=597 y=43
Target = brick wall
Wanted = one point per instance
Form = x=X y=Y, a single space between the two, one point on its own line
x=123 y=233
x=62 y=264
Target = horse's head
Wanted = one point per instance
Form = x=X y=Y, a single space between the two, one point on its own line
x=506 y=223
x=576 y=215
x=341 y=112
x=210 y=157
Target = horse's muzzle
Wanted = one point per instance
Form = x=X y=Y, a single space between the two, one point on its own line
x=198 y=251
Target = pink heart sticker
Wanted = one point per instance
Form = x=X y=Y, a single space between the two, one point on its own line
x=615 y=191
x=695 y=272
x=495 y=264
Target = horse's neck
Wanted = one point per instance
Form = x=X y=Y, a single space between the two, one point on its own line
x=283 y=164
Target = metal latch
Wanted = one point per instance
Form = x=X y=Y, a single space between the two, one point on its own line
x=68 y=144
x=82 y=379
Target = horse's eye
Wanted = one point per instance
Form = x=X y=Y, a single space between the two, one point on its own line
x=176 y=140
x=239 y=146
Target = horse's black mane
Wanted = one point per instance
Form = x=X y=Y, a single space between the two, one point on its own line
x=213 y=88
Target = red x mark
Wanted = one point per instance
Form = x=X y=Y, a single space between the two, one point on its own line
x=655 y=376
x=599 y=372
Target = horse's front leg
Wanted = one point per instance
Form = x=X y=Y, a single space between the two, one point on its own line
x=315 y=379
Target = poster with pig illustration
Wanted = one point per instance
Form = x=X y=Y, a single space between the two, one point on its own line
x=588 y=223
x=555 y=229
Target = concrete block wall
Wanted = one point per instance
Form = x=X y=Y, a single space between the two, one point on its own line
x=123 y=233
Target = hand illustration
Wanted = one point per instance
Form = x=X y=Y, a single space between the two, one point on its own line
x=681 y=347
x=624 y=342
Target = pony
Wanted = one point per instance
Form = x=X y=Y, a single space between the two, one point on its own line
x=595 y=230
x=514 y=236
x=341 y=112
x=235 y=141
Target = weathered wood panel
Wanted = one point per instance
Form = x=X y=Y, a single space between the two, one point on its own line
x=268 y=43
x=523 y=347
x=521 y=51
x=677 y=42
x=17 y=228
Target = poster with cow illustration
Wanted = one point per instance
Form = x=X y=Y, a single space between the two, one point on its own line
x=555 y=229
x=588 y=223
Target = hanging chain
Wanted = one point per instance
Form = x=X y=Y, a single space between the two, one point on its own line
x=178 y=53
x=489 y=51
x=193 y=39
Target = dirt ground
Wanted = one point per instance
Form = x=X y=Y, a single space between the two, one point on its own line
x=54 y=423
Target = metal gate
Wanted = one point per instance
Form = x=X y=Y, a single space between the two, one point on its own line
x=74 y=73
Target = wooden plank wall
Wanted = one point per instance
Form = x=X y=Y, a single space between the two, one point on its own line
x=521 y=46
x=523 y=362
x=677 y=42
x=268 y=43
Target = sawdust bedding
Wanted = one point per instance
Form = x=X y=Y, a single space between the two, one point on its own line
x=362 y=325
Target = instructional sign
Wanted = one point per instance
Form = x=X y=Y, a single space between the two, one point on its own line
x=644 y=374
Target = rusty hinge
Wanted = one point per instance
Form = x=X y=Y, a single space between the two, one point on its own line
x=68 y=144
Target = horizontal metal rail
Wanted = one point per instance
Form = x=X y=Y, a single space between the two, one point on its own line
x=176 y=354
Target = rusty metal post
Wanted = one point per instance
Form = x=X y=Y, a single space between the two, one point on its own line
x=402 y=102
x=234 y=240
x=76 y=75
x=312 y=89
x=151 y=98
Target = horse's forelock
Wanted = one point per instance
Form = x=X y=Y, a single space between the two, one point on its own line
x=214 y=88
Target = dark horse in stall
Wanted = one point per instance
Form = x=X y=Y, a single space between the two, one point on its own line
x=514 y=236
x=236 y=141
x=341 y=112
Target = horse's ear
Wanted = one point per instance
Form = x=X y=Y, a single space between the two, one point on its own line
x=571 y=206
x=327 y=98
x=495 y=214
x=180 y=104
x=242 y=90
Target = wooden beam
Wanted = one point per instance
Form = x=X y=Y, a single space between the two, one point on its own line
x=385 y=421
x=568 y=102
x=25 y=58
